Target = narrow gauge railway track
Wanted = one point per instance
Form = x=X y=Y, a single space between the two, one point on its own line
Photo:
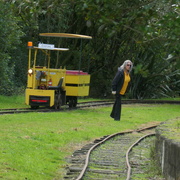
x=64 y=108
x=23 y=110
x=106 y=158
x=132 y=101
x=84 y=105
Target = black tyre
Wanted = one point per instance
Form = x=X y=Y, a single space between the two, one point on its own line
x=57 y=101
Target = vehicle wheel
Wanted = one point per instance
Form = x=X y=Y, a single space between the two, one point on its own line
x=70 y=103
x=73 y=102
x=60 y=100
x=57 y=101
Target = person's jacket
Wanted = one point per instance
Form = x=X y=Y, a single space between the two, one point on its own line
x=118 y=81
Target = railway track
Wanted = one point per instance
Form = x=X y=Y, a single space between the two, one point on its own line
x=23 y=110
x=133 y=101
x=111 y=157
x=64 y=108
x=83 y=105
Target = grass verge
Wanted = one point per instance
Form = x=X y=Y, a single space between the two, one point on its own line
x=34 y=146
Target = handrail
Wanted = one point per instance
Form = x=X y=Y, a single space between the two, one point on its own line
x=66 y=35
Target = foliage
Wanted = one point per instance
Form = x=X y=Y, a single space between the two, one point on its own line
x=158 y=71
x=10 y=37
x=138 y=31
x=145 y=31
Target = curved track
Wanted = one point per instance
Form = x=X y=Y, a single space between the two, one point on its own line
x=106 y=158
x=128 y=152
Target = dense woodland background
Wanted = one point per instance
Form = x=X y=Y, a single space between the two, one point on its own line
x=144 y=31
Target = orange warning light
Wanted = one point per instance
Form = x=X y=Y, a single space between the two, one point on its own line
x=30 y=44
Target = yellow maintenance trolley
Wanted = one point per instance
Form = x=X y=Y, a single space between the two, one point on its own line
x=51 y=87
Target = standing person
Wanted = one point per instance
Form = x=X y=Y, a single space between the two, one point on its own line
x=119 y=86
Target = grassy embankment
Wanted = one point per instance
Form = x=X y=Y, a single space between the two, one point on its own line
x=34 y=145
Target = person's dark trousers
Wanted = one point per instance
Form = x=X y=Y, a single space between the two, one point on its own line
x=116 y=110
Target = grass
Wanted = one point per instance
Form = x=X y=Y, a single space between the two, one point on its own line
x=147 y=163
x=34 y=146
x=171 y=129
x=12 y=102
x=154 y=167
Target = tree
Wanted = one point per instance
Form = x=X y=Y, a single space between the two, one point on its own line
x=144 y=31
x=157 y=70
x=10 y=37
x=138 y=30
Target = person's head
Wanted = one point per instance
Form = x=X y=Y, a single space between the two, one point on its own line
x=127 y=65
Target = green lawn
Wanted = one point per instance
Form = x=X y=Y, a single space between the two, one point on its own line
x=34 y=145
x=12 y=102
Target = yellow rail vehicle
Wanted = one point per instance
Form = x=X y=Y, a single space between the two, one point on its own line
x=52 y=87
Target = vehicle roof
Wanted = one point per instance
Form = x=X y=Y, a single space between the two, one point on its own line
x=54 y=49
x=66 y=35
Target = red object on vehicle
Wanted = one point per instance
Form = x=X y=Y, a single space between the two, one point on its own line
x=50 y=82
